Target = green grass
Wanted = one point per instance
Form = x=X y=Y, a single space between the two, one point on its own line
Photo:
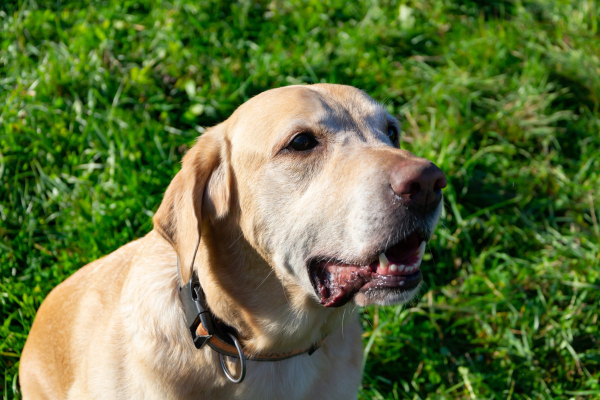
x=99 y=100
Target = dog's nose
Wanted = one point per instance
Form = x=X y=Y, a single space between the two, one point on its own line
x=419 y=183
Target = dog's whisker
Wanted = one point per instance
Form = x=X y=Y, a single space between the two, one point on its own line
x=343 y=315
x=263 y=281
x=236 y=240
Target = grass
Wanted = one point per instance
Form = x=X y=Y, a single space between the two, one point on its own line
x=98 y=101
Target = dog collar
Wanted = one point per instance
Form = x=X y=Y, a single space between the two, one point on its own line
x=206 y=329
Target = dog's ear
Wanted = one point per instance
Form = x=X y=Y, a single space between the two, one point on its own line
x=179 y=217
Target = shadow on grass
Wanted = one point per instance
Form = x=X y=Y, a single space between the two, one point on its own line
x=491 y=9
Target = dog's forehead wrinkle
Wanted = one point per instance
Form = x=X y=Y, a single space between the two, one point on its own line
x=355 y=105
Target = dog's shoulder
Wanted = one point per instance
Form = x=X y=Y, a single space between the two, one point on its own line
x=80 y=307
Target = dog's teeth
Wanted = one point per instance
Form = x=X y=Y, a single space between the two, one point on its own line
x=421 y=250
x=393 y=267
x=383 y=261
x=401 y=268
x=401 y=283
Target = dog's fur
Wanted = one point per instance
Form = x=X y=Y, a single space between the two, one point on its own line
x=256 y=213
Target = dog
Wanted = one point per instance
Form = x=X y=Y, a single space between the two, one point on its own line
x=282 y=219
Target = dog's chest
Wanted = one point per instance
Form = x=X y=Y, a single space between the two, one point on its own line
x=300 y=378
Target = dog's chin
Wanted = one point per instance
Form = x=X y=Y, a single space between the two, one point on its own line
x=385 y=296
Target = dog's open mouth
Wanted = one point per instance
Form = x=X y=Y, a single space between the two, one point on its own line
x=396 y=268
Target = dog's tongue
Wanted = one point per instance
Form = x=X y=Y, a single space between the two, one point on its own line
x=337 y=283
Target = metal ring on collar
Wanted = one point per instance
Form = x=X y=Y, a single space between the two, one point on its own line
x=240 y=378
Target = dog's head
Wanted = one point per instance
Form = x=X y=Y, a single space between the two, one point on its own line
x=312 y=178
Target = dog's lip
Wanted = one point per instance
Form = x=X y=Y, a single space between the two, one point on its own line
x=336 y=282
x=373 y=257
x=405 y=282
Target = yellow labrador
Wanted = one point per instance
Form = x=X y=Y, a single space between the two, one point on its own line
x=281 y=217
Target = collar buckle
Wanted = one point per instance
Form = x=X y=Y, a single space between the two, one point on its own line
x=196 y=310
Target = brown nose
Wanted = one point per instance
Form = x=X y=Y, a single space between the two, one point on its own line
x=419 y=183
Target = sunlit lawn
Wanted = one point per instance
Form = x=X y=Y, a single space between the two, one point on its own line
x=98 y=103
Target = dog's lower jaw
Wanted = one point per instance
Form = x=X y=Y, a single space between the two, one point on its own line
x=386 y=298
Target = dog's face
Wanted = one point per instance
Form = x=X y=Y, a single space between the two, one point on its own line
x=327 y=198
x=312 y=178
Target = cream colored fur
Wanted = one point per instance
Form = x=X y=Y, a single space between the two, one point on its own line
x=247 y=217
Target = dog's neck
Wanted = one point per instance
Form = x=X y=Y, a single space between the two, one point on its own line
x=270 y=311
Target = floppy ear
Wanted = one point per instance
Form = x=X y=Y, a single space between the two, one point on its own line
x=179 y=217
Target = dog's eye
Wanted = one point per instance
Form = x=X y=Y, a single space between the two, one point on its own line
x=303 y=142
x=392 y=133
